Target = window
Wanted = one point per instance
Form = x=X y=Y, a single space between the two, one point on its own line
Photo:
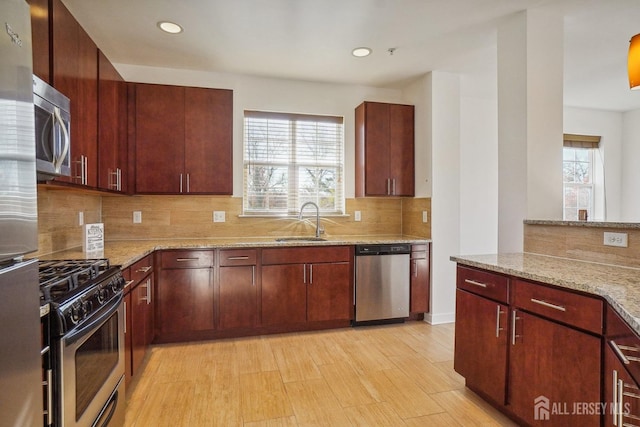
x=291 y=159
x=578 y=175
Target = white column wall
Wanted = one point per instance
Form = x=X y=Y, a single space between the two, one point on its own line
x=530 y=58
x=630 y=170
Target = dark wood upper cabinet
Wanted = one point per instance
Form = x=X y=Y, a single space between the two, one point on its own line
x=40 y=38
x=112 y=118
x=385 y=159
x=183 y=140
x=75 y=73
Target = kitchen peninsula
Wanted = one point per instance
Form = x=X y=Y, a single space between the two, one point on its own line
x=557 y=323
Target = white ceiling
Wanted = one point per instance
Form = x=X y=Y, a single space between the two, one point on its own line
x=312 y=39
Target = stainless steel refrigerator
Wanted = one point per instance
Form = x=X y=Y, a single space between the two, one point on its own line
x=21 y=393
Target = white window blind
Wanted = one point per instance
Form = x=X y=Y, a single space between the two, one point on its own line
x=291 y=159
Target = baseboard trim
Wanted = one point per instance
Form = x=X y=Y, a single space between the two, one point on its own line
x=438 y=319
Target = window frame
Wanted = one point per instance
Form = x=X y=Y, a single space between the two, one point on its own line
x=591 y=185
x=293 y=165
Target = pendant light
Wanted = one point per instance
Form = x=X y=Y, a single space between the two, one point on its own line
x=634 y=62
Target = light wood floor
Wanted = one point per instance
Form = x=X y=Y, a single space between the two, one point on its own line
x=394 y=375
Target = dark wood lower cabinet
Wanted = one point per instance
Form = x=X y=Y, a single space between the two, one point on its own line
x=185 y=301
x=141 y=321
x=555 y=365
x=328 y=292
x=238 y=301
x=420 y=280
x=481 y=344
x=284 y=294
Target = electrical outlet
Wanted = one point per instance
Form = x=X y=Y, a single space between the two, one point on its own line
x=615 y=239
x=357 y=216
x=425 y=217
x=80 y=218
x=218 y=216
x=137 y=217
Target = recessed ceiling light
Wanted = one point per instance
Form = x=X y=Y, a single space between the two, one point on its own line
x=169 y=27
x=361 y=52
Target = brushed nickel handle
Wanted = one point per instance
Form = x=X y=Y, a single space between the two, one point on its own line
x=143 y=269
x=44 y=350
x=394 y=187
x=304 y=274
x=620 y=397
x=311 y=274
x=128 y=283
x=124 y=307
x=514 y=317
x=619 y=352
x=181 y=183
x=548 y=304
x=253 y=275
x=188 y=183
x=57 y=163
x=615 y=398
x=86 y=170
x=473 y=282
x=498 y=328
x=187 y=259
x=119 y=179
x=49 y=410
x=237 y=258
x=149 y=292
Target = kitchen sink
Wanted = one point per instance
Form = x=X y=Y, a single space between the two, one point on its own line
x=300 y=239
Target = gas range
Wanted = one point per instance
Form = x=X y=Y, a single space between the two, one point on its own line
x=75 y=289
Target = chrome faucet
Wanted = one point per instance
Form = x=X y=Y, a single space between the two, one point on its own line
x=319 y=229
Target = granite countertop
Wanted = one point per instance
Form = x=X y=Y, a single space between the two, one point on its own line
x=619 y=286
x=592 y=224
x=126 y=252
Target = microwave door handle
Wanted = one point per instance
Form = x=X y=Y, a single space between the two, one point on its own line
x=57 y=163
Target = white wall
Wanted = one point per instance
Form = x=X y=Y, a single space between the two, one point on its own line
x=630 y=170
x=418 y=93
x=608 y=125
x=254 y=93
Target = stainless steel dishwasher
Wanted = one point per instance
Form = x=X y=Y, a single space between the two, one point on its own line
x=382 y=283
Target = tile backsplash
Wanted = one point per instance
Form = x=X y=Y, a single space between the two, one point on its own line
x=165 y=217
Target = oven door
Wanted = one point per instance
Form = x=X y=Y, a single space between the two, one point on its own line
x=92 y=370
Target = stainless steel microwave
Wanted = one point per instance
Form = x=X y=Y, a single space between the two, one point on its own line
x=53 y=131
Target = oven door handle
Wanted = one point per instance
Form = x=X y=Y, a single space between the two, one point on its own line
x=107 y=413
x=101 y=315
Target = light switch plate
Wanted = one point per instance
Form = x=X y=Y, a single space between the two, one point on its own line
x=218 y=216
x=80 y=218
x=425 y=217
x=137 y=217
x=357 y=216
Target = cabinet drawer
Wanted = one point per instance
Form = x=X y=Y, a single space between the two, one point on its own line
x=419 y=248
x=299 y=255
x=573 y=309
x=141 y=269
x=186 y=259
x=231 y=257
x=485 y=283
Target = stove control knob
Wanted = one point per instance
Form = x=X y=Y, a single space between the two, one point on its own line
x=116 y=284
x=102 y=295
x=87 y=307
x=76 y=314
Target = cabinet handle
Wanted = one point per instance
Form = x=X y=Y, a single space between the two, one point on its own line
x=619 y=390
x=498 y=328
x=188 y=183
x=311 y=274
x=119 y=179
x=149 y=291
x=128 y=283
x=388 y=186
x=394 y=187
x=415 y=268
x=187 y=259
x=124 y=306
x=237 y=258
x=304 y=273
x=473 y=282
x=253 y=275
x=548 y=304
x=49 y=410
x=181 y=183
x=86 y=170
x=625 y=359
x=57 y=163
x=143 y=269
x=514 y=317
x=615 y=409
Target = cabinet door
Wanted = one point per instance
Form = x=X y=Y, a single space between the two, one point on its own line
x=184 y=300
x=86 y=142
x=40 y=38
x=284 y=294
x=238 y=301
x=554 y=362
x=419 y=282
x=401 y=150
x=140 y=322
x=329 y=291
x=208 y=140
x=481 y=344
x=111 y=132
x=377 y=149
x=159 y=139
x=621 y=395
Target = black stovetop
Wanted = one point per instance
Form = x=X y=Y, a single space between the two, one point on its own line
x=59 y=279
